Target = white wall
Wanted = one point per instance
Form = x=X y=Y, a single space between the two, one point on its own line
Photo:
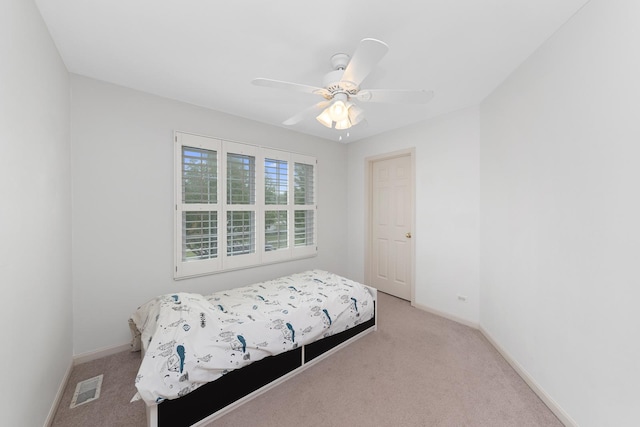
x=35 y=216
x=123 y=203
x=560 y=215
x=447 y=204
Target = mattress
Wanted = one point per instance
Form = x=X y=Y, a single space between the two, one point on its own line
x=190 y=339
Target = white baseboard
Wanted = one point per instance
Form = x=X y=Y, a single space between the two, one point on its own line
x=100 y=353
x=58 y=397
x=446 y=316
x=531 y=382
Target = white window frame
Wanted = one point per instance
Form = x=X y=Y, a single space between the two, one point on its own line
x=223 y=262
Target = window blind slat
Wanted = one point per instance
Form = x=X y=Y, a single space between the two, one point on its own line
x=276 y=182
x=241 y=179
x=199 y=175
x=200 y=235
x=276 y=230
x=241 y=233
x=304 y=228
x=303 y=184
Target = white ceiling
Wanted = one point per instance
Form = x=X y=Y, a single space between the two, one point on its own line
x=206 y=52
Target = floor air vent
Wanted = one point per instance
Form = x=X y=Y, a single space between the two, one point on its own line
x=87 y=391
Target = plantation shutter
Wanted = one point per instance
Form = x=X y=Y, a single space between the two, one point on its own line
x=305 y=207
x=238 y=205
x=197 y=206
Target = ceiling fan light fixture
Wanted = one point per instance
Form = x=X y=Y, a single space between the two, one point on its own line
x=355 y=114
x=338 y=110
x=325 y=119
x=351 y=117
x=343 y=124
x=337 y=114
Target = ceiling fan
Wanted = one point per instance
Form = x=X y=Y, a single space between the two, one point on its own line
x=341 y=88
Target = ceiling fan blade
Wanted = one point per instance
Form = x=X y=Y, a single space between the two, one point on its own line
x=304 y=114
x=395 y=96
x=279 y=84
x=366 y=56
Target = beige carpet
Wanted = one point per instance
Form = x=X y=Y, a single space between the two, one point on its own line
x=416 y=370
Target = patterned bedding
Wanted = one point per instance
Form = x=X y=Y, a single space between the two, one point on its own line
x=191 y=339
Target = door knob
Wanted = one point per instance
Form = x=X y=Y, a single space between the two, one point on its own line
x=408 y=235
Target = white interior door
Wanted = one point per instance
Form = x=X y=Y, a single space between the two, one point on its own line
x=391 y=219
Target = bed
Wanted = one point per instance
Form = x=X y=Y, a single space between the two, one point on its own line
x=203 y=355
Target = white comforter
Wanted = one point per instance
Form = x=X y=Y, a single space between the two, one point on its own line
x=190 y=339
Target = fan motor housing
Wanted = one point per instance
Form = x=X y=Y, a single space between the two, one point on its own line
x=333 y=80
x=333 y=83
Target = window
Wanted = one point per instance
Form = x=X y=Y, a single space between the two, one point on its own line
x=239 y=205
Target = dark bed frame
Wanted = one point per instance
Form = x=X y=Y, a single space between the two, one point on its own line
x=218 y=397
